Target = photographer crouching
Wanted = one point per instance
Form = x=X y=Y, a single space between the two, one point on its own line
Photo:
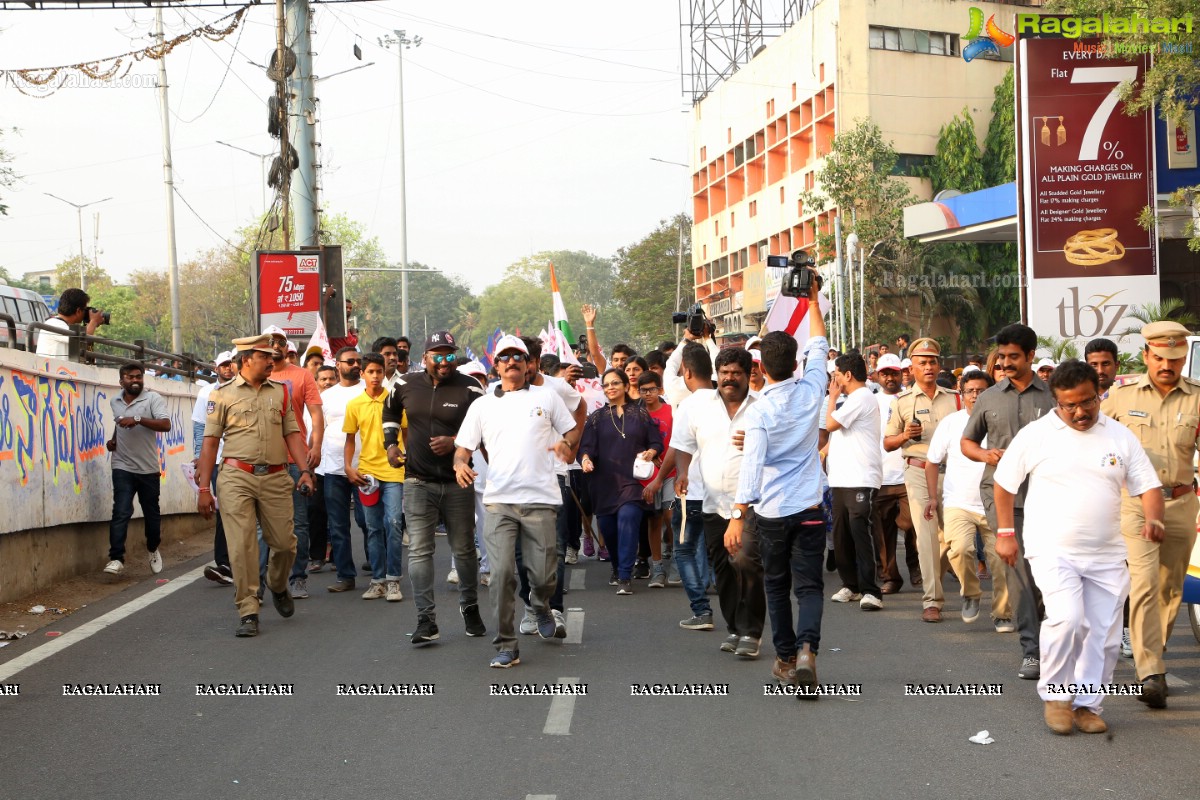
x=73 y=309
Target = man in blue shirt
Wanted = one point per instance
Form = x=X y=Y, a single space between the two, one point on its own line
x=781 y=478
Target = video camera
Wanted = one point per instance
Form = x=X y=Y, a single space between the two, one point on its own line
x=694 y=318
x=105 y=316
x=798 y=282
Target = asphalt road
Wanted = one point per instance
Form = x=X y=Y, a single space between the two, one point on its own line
x=462 y=742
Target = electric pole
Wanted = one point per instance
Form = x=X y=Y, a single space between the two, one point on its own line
x=169 y=184
x=402 y=43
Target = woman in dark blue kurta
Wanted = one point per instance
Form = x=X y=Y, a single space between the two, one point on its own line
x=613 y=437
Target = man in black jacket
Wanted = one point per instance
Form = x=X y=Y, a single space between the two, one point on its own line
x=435 y=402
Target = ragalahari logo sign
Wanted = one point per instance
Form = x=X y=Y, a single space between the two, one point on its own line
x=983 y=38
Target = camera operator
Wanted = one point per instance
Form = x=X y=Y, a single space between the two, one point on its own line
x=73 y=309
x=699 y=329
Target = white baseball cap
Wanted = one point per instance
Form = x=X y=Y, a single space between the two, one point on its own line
x=472 y=368
x=1045 y=362
x=753 y=340
x=224 y=357
x=906 y=364
x=889 y=361
x=274 y=330
x=510 y=342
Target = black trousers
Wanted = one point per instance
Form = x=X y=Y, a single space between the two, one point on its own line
x=854 y=539
x=740 y=591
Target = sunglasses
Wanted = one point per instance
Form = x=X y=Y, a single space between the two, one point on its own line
x=517 y=357
x=352 y=361
x=449 y=358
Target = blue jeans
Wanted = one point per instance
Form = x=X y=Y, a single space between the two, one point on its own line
x=621 y=532
x=690 y=558
x=793 y=550
x=125 y=486
x=338 y=492
x=383 y=533
x=300 y=516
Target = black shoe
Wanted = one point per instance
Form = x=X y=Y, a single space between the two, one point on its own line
x=1154 y=691
x=426 y=631
x=219 y=574
x=249 y=626
x=830 y=562
x=612 y=579
x=470 y=615
x=366 y=566
x=641 y=569
x=340 y=586
x=262 y=590
x=283 y=603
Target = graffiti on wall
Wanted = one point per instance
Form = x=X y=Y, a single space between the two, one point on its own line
x=55 y=420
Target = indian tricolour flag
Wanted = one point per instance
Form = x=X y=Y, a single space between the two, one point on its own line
x=562 y=328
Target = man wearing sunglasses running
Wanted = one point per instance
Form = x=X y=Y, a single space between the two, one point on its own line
x=435 y=402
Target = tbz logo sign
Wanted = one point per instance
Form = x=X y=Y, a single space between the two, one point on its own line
x=307 y=264
x=1096 y=317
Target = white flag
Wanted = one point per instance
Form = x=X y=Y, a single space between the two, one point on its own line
x=320 y=341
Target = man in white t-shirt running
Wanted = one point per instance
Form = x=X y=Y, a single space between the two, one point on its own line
x=337 y=487
x=855 y=470
x=1077 y=460
x=962 y=508
x=521 y=432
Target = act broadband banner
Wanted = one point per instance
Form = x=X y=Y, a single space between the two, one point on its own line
x=1085 y=173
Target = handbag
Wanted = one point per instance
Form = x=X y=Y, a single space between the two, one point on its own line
x=642 y=470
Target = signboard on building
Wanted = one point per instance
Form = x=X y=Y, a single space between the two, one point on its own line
x=287 y=290
x=1085 y=173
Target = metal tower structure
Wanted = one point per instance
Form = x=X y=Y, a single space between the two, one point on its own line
x=719 y=36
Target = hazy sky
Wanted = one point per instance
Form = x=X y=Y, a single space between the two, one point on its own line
x=529 y=126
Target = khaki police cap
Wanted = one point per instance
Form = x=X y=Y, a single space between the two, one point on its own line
x=1166 y=339
x=924 y=347
x=248 y=343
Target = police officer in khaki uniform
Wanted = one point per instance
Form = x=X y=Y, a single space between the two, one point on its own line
x=915 y=415
x=255 y=417
x=1163 y=410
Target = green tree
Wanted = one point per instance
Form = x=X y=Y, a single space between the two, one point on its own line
x=1172 y=309
x=1058 y=350
x=957 y=163
x=129 y=323
x=67 y=272
x=1000 y=144
x=646 y=279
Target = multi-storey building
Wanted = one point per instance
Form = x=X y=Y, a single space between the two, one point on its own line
x=760 y=136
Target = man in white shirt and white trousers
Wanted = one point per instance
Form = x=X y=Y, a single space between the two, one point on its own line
x=1077 y=460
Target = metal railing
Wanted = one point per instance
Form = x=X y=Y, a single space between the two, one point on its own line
x=83 y=348
x=11 y=323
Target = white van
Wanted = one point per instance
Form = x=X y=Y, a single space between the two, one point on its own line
x=24 y=307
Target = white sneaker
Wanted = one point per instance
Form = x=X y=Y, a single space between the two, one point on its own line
x=572 y=556
x=156 y=562
x=394 y=595
x=374 y=592
x=114 y=567
x=529 y=622
x=1126 y=644
x=870 y=602
x=844 y=595
x=452 y=577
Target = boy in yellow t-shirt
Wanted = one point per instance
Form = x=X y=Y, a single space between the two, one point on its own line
x=384 y=505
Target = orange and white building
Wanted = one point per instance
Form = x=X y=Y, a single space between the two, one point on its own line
x=759 y=137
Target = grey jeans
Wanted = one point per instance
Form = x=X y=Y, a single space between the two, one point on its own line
x=424 y=503
x=536 y=526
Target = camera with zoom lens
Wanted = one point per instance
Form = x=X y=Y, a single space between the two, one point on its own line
x=798 y=281
x=694 y=318
x=105 y=316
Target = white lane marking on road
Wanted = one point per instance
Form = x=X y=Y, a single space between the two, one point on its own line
x=1172 y=680
x=562 y=708
x=576 y=584
x=95 y=626
x=574 y=626
x=540 y=796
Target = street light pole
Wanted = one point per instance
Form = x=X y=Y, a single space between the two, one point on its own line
x=262 y=166
x=679 y=260
x=402 y=43
x=79 y=207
